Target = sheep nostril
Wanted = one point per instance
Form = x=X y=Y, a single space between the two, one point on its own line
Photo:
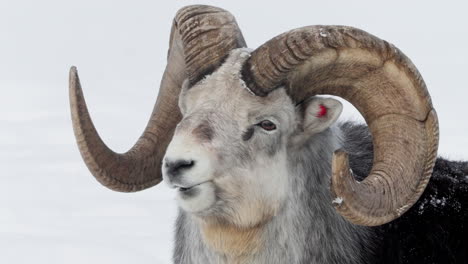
x=175 y=167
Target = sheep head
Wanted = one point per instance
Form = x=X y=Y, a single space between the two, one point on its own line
x=228 y=158
x=286 y=71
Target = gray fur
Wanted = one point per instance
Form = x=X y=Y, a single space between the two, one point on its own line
x=273 y=182
x=306 y=230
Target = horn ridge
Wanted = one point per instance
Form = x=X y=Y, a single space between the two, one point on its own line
x=200 y=38
x=386 y=88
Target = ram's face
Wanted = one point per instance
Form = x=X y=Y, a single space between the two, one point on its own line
x=228 y=154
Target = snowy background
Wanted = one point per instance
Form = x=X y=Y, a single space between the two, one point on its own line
x=51 y=208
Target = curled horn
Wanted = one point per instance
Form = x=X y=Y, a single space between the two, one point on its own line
x=201 y=37
x=384 y=85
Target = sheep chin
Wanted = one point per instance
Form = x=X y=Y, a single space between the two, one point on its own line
x=198 y=198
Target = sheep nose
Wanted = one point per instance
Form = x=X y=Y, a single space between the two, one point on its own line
x=175 y=167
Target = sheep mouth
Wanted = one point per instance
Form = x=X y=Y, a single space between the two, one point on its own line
x=184 y=189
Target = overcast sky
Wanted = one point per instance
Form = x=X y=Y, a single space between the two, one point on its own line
x=52 y=206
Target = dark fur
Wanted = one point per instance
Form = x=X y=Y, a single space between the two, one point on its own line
x=435 y=229
x=248 y=134
x=204 y=131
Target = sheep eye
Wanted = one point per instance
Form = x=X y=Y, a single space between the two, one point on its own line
x=267 y=125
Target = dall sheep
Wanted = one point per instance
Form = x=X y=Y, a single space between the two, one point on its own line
x=261 y=168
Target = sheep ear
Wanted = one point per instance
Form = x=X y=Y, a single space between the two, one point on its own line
x=182 y=97
x=320 y=113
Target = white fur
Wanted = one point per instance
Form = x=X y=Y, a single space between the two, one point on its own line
x=203 y=201
x=182 y=147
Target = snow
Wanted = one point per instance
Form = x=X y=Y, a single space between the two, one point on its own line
x=434 y=202
x=322 y=34
x=52 y=209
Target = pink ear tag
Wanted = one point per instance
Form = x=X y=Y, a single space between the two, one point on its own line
x=322 y=111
